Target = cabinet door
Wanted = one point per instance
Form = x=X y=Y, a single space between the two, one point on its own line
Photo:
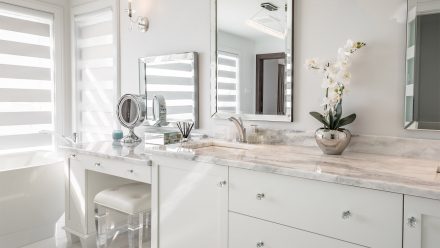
x=422 y=223
x=193 y=204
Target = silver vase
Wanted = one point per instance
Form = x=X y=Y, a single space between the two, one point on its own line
x=332 y=142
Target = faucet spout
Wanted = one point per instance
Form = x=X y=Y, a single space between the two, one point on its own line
x=240 y=129
x=70 y=141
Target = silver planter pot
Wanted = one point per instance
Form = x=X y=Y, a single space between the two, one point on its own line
x=332 y=142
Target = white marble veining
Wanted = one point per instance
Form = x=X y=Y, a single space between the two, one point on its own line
x=110 y=150
x=394 y=146
x=409 y=176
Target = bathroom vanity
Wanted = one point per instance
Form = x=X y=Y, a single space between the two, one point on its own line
x=94 y=167
x=220 y=194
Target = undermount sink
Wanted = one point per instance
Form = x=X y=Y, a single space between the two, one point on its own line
x=220 y=144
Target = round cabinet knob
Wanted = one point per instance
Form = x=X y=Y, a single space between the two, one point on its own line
x=131 y=171
x=260 y=196
x=260 y=244
x=97 y=164
x=222 y=184
x=412 y=222
x=72 y=156
x=346 y=215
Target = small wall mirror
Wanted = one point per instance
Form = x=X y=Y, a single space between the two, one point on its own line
x=170 y=83
x=422 y=94
x=252 y=59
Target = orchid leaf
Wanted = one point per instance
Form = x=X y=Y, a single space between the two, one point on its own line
x=320 y=118
x=338 y=115
x=347 y=120
x=331 y=119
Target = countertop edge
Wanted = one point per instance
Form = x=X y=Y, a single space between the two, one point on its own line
x=379 y=185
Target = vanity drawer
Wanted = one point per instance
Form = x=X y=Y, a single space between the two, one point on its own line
x=136 y=172
x=367 y=217
x=250 y=232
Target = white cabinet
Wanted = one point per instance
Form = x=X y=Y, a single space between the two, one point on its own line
x=192 y=203
x=249 y=232
x=422 y=223
x=362 y=216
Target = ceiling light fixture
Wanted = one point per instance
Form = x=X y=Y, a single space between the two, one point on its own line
x=269 y=20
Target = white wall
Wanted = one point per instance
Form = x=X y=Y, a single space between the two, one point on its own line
x=321 y=26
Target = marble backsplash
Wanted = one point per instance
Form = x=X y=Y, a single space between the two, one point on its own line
x=403 y=147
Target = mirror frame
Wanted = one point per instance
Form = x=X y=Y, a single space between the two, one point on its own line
x=143 y=81
x=140 y=106
x=414 y=123
x=248 y=117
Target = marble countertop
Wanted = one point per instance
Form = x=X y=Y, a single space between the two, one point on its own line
x=109 y=150
x=417 y=177
x=411 y=176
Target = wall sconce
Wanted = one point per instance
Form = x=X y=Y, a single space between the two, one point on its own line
x=141 y=20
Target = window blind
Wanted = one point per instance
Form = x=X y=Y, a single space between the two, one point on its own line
x=228 y=82
x=26 y=79
x=95 y=70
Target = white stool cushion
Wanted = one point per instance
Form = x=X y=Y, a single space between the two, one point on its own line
x=130 y=199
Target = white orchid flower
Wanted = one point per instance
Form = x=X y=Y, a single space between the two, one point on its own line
x=313 y=64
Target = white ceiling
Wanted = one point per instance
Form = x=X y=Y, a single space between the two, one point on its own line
x=233 y=14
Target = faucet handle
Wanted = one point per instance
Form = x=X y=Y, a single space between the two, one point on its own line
x=75 y=137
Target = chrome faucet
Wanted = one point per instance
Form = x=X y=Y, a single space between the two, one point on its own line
x=240 y=129
x=72 y=141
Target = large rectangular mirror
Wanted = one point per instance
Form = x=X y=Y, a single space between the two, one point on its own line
x=422 y=94
x=172 y=82
x=252 y=59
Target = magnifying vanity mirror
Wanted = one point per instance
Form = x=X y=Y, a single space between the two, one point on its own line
x=422 y=91
x=131 y=114
x=251 y=59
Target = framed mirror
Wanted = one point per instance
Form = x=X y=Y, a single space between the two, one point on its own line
x=170 y=84
x=422 y=86
x=251 y=58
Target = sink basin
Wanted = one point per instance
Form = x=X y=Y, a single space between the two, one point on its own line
x=218 y=143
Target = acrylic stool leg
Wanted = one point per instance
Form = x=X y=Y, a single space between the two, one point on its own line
x=135 y=230
x=101 y=224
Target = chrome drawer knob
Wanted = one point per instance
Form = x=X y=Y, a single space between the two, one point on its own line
x=222 y=184
x=260 y=196
x=346 y=215
x=412 y=222
x=260 y=244
x=97 y=164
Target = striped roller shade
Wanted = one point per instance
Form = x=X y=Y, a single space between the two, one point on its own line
x=228 y=80
x=95 y=73
x=175 y=77
x=26 y=79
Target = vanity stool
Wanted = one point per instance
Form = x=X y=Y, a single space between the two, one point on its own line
x=133 y=200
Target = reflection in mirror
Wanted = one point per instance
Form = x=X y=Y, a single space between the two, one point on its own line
x=129 y=111
x=422 y=94
x=253 y=76
x=170 y=83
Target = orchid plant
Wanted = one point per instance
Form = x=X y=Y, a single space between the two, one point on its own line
x=335 y=83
